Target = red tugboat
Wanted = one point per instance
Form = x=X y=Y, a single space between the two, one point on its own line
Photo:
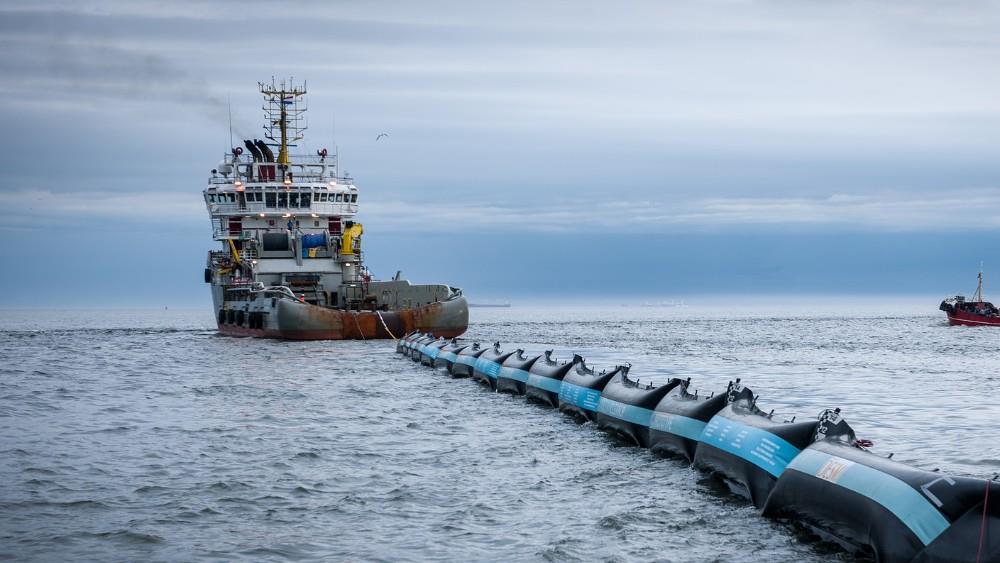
x=971 y=313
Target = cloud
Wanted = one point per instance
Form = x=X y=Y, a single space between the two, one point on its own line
x=890 y=211
x=42 y=209
x=688 y=114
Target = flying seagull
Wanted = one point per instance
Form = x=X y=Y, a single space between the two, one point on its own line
x=380 y=135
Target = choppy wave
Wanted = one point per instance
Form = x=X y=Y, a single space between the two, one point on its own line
x=173 y=443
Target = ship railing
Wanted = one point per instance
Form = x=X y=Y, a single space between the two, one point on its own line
x=300 y=166
x=279 y=291
x=330 y=160
x=324 y=208
x=220 y=179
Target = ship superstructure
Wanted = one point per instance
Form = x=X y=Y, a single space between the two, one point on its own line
x=975 y=312
x=291 y=263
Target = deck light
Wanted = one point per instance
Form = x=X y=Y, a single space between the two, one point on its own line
x=238 y=185
x=261 y=214
x=315 y=216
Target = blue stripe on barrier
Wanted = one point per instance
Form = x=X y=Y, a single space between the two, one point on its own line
x=759 y=447
x=488 y=367
x=678 y=425
x=432 y=352
x=622 y=411
x=913 y=509
x=514 y=373
x=447 y=356
x=546 y=383
x=580 y=396
x=467 y=360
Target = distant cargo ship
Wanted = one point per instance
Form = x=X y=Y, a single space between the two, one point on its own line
x=291 y=264
x=977 y=312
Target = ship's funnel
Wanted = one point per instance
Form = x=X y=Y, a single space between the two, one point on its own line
x=264 y=150
x=253 y=150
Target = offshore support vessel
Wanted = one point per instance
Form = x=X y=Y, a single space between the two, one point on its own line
x=291 y=264
x=977 y=312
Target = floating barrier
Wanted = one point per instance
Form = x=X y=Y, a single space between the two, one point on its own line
x=626 y=407
x=466 y=359
x=545 y=379
x=681 y=416
x=750 y=450
x=449 y=354
x=487 y=367
x=403 y=343
x=513 y=374
x=417 y=349
x=901 y=513
x=813 y=473
x=430 y=352
x=580 y=392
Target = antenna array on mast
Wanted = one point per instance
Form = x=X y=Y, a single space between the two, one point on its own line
x=285 y=111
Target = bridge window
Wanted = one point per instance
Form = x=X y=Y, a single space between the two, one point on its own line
x=354 y=198
x=282 y=199
x=293 y=200
x=270 y=199
x=304 y=202
x=340 y=197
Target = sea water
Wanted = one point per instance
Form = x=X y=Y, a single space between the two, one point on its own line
x=144 y=435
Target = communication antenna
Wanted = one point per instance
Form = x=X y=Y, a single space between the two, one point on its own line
x=285 y=113
x=229 y=103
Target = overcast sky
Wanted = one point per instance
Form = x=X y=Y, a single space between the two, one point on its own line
x=550 y=135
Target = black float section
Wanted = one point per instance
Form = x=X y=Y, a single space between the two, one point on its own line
x=814 y=473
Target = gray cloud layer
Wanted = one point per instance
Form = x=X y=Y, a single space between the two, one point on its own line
x=676 y=114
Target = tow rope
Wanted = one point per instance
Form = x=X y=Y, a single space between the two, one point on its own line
x=357 y=324
x=379 y=313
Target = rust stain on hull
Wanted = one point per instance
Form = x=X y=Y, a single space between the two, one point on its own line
x=302 y=321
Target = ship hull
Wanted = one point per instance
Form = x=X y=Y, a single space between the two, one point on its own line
x=964 y=318
x=293 y=320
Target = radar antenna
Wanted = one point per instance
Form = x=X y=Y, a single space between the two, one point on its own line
x=285 y=111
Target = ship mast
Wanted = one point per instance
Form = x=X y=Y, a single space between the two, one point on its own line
x=285 y=112
x=978 y=297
